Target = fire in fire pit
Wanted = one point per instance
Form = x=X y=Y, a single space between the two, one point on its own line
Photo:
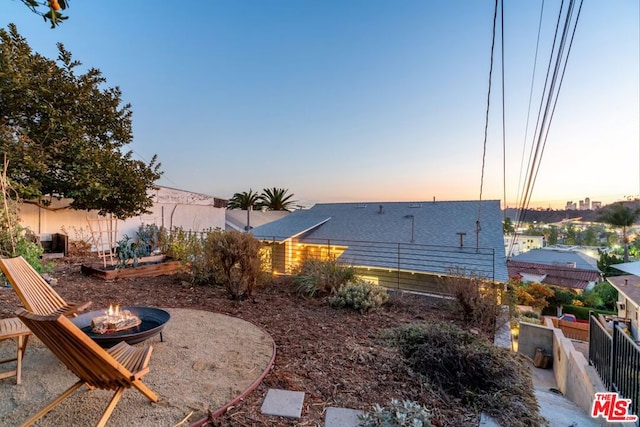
x=114 y=320
x=152 y=321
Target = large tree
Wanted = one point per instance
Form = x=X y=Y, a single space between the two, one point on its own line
x=64 y=134
x=276 y=199
x=619 y=215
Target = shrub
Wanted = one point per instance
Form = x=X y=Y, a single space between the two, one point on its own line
x=147 y=239
x=582 y=313
x=531 y=315
x=187 y=247
x=80 y=245
x=233 y=259
x=19 y=241
x=16 y=240
x=359 y=295
x=407 y=413
x=478 y=300
x=126 y=252
x=319 y=278
x=539 y=293
x=482 y=376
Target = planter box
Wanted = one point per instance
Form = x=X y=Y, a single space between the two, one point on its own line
x=147 y=267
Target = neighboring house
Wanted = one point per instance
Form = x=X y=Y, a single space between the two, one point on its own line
x=555 y=275
x=388 y=240
x=243 y=220
x=628 y=287
x=557 y=267
x=171 y=208
x=520 y=243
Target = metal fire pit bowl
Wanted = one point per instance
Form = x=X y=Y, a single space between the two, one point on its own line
x=152 y=320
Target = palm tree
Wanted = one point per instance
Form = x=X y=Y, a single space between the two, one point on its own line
x=276 y=199
x=619 y=215
x=244 y=200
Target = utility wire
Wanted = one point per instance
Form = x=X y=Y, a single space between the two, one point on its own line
x=549 y=99
x=486 y=122
x=555 y=102
x=526 y=132
x=504 y=132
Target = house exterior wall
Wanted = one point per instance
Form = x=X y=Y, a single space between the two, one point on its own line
x=171 y=208
x=630 y=312
x=522 y=243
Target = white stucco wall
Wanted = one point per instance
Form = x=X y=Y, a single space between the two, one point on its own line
x=172 y=208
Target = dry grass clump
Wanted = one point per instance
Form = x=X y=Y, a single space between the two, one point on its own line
x=481 y=376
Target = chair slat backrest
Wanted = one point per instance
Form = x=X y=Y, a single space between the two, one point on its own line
x=34 y=292
x=77 y=351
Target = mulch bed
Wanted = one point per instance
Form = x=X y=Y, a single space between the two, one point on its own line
x=337 y=357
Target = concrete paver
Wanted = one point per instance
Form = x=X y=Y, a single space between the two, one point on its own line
x=342 y=417
x=283 y=403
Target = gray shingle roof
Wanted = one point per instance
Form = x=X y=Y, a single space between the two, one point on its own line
x=390 y=223
x=558 y=257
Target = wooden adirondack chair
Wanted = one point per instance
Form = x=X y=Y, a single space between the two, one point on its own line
x=34 y=292
x=118 y=368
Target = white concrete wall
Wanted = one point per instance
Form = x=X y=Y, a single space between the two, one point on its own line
x=578 y=381
x=574 y=377
x=172 y=208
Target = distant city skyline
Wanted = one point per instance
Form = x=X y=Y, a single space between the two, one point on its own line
x=363 y=100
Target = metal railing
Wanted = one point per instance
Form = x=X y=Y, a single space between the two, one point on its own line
x=616 y=358
x=404 y=266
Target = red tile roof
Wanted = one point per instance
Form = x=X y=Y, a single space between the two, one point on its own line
x=557 y=275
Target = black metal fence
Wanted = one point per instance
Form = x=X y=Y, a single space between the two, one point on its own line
x=404 y=266
x=616 y=358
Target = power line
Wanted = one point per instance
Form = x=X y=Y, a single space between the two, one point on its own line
x=553 y=81
x=486 y=122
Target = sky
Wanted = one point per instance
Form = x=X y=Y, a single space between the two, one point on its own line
x=364 y=100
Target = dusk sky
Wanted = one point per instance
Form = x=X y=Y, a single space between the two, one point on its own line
x=362 y=100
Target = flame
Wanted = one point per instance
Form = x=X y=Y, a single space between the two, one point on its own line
x=113 y=311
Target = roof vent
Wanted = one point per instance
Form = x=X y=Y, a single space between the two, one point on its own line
x=415 y=205
x=571 y=264
x=380 y=209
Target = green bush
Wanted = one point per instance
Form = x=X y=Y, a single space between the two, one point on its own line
x=147 y=239
x=233 y=259
x=188 y=248
x=360 y=295
x=582 y=313
x=319 y=278
x=407 y=413
x=19 y=241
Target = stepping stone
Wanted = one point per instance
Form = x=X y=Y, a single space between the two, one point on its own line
x=487 y=421
x=283 y=403
x=342 y=417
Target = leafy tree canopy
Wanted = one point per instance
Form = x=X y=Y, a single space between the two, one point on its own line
x=64 y=135
x=619 y=215
x=49 y=10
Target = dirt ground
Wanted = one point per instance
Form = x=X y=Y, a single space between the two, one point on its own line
x=337 y=357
